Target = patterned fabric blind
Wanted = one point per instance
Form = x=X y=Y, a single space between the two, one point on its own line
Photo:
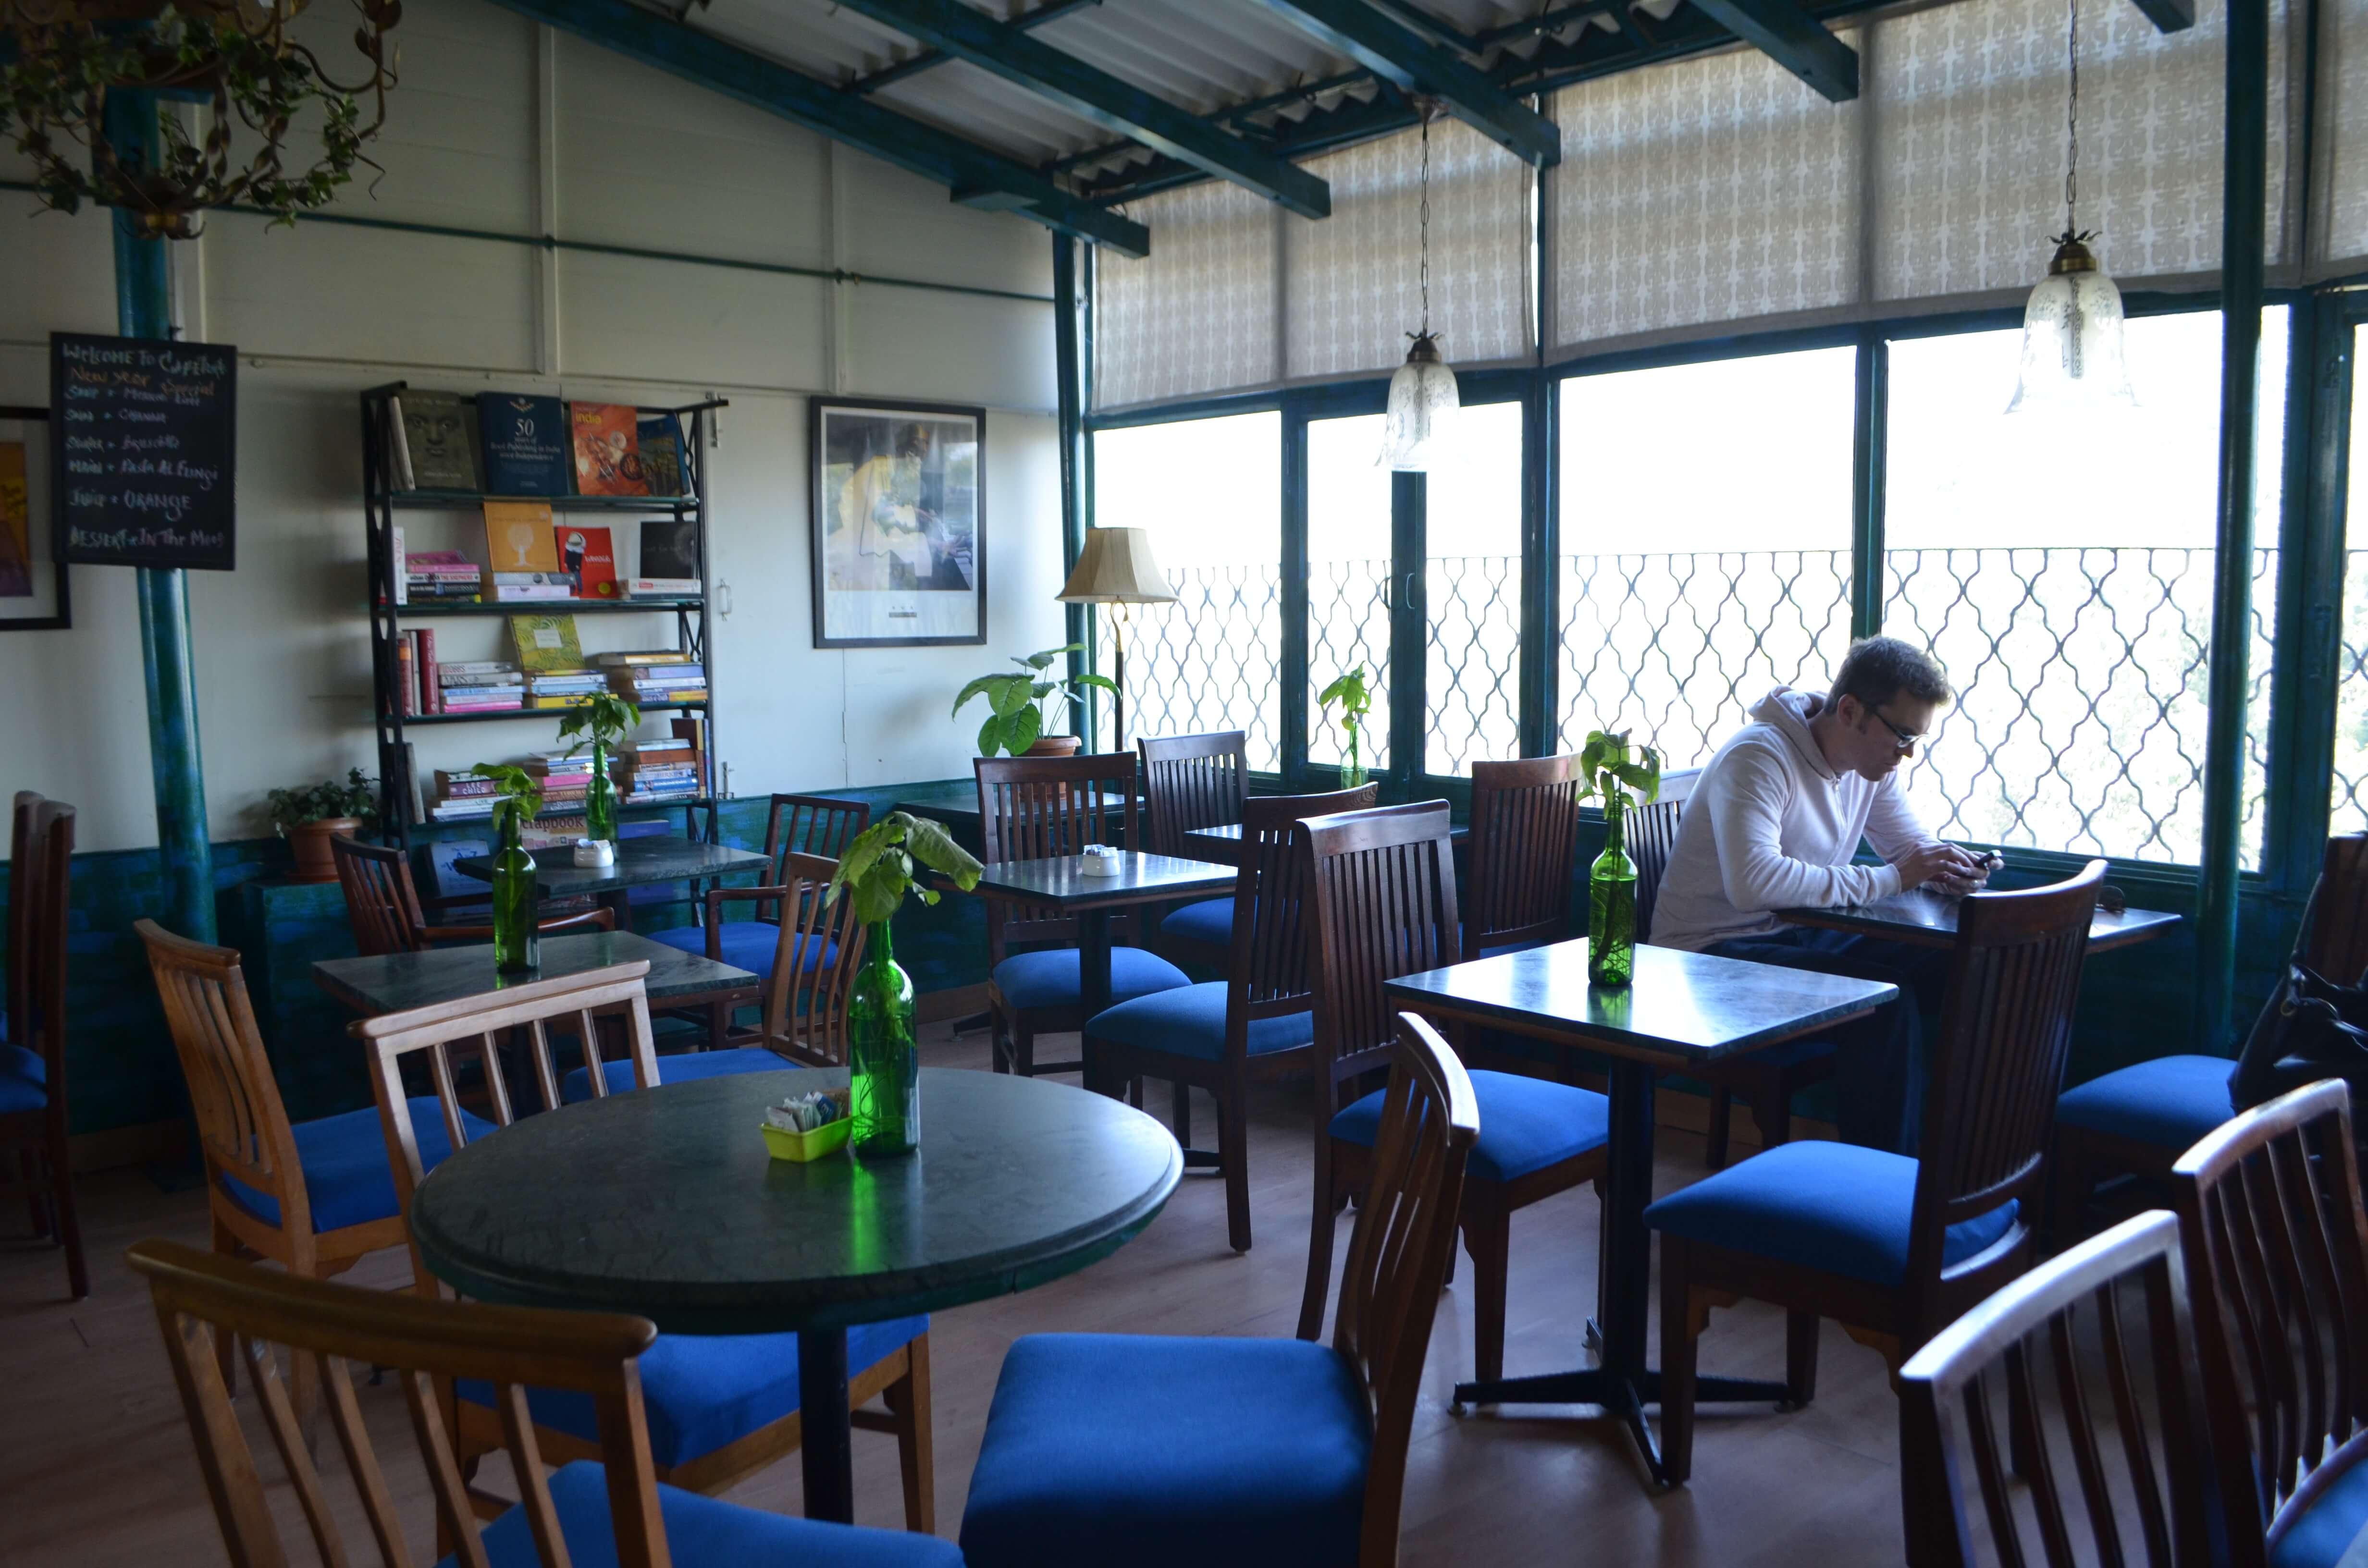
x=1197 y=315
x=2340 y=195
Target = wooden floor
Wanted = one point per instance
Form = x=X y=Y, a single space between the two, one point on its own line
x=99 y=1469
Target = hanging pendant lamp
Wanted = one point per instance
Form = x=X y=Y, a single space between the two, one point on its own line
x=2072 y=351
x=1420 y=424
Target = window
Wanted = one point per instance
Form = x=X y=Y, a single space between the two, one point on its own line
x=2064 y=576
x=2349 y=801
x=1349 y=556
x=1472 y=594
x=1706 y=543
x=1210 y=491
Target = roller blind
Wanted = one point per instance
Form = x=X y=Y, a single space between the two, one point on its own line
x=2340 y=202
x=1198 y=314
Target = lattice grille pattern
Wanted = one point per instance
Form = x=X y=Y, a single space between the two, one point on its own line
x=2349 y=812
x=1348 y=625
x=1207 y=661
x=1472 y=696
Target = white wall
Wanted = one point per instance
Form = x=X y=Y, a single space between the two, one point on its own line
x=613 y=152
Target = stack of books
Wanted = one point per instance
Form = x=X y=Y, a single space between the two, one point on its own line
x=564 y=779
x=562 y=688
x=440 y=577
x=461 y=797
x=653 y=772
x=523 y=587
x=485 y=686
x=655 y=678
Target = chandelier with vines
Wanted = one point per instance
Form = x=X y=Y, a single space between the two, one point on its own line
x=235 y=57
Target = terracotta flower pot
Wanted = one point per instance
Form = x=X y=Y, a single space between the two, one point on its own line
x=1053 y=745
x=315 y=861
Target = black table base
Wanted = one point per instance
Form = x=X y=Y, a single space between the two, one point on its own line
x=1621 y=1381
x=825 y=1441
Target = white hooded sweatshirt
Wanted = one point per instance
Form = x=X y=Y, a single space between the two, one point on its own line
x=1769 y=827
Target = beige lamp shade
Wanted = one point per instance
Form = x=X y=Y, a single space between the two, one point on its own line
x=1117 y=568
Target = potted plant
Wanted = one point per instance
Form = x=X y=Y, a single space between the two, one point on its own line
x=312 y=814
x=1355 y=702
x=600 y=724
x=517 y=943
x=1606 y=771
x=883 y=1086
x=1020 y=717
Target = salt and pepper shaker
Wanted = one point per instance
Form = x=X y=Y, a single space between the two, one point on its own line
x=1099 y=861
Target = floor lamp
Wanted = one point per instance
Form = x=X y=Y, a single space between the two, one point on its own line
x=1116 y=568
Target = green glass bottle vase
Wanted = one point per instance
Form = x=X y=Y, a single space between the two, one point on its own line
x=884 y=1073
x=1612 y=901
x=600 y=800
x=517 y=947
x=1353 y=772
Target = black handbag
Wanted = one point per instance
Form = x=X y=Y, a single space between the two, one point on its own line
x=2312 y=1028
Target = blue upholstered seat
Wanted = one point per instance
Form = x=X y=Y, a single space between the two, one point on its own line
x=24 y=1080
x=1834 y=1207
x=1190 y=1021
x=705 y=1532
x=1163 y=1452
x=1210 y=921
x=747 y=944
x=1526 y=1124
x=2170 y=1101
x=702 y=1391
x=687 y=1067
x=2321 y=1535
x=347 y=1178
x=1049 y=979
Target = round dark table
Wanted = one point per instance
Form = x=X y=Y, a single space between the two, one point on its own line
x=665 y=1203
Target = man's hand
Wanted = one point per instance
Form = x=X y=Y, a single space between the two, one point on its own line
x=1941 y=866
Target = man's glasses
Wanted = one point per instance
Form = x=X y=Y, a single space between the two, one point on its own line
x=1902 y=738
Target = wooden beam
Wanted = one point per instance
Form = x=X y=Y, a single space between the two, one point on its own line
x=2169 y=15
x=977 y=175
x=1794 y=38
x=1011 y=53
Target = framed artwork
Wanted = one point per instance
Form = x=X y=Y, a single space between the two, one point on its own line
x=33 y=580
x=899 y=523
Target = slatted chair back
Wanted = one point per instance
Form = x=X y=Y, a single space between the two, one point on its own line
x=381 y=902
x=2277 y=1255
x=42 y=886
x=1382 y=886
x=1399 y=1256
x=808 y=825
x=1525 y=819
x=242 y=1129
x=1997 y=1065
x=815 y=962
x=2052 y=1354
x=1268 y=966
x=1652 y=835
x=20 y=911
x=1031 y=808
x=2337 y=918
x=201 y=1299
x=1191 y=781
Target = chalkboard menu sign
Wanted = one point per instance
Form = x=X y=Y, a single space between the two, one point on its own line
x=143 y=434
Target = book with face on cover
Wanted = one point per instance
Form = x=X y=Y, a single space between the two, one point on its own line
x=546 y=643
x=439 y=435
x=607 y=439
x=526 y=442
x=519 y=537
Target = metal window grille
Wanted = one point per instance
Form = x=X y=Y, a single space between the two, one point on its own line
x=1472 y=688
x=1348 y=625
x=2349 y=805
x=1207 y=661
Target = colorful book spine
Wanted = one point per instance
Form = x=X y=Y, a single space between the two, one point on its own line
x=407 y=679
x=431 y=689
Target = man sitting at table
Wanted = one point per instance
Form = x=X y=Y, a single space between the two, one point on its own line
x=1774 y=821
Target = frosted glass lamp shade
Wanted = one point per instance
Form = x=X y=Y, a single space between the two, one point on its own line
x=1420 y=424
x=2072 y=354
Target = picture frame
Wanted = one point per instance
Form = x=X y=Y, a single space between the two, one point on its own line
x=34 y=593
x=898 y=522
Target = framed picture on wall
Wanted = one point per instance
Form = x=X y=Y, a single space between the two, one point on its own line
x=899 y=510
x=33 y=580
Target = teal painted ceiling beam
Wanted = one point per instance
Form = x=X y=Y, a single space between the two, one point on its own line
x=1793 y=38
x=976 y=176
x=1009 y=52
x=1397 y=54
x=2169 y=15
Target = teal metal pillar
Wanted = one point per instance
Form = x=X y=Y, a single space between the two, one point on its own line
x=1068 y=362
x=2242 y=245
x=143 y=308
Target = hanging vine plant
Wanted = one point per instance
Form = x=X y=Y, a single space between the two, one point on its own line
x=233 y=55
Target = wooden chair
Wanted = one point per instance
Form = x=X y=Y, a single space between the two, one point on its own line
x=1254 y=1024
x=2138 y=1443
x=33 y=1116
x=1192 y=782
x=1382 y=887
x=721 y=1406
x=214 y=1313
x=2276 y=1240
x=1030 y=808
x=2138 y=1120
x=1101 y=1447
x=383 y=906
x=1525 y=818
x=1892 y=1247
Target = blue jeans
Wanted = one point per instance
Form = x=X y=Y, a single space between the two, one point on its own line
x=1879 y=1071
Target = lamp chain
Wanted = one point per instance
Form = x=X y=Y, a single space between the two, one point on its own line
x=1425 y=225
x=2072 y=122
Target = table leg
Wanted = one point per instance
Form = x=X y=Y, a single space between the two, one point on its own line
x=826 y=1446
x=618 y=902
x=1093 y=977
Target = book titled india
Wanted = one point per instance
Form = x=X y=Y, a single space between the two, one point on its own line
x=661 y=438
x=546 y=643
x=587 y=558
x=440 y=439
x=526 y=444
x=607 y=450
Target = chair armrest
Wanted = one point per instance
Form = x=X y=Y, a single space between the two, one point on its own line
x=456 y=933
x=452 y=900
x=590 y=920
x=715 y=897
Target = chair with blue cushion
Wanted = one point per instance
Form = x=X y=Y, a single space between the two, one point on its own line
x=1032 y=808
x=719 y=1406
x=616 y=1511
x=2138 y=1120
x=33 y=1121
x=2276 y=1242
x=1192 y=782
x=1381 y=896
x=1254 y=1026
x=2106 y=1329
x=1891 y=1247
x=1170 y=1453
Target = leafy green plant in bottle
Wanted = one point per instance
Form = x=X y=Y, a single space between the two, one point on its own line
x=1608 y=772
x=517 y=946
x=1356 y=700
x=600 y=724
